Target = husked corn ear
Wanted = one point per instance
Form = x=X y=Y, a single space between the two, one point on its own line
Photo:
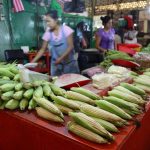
x=18 y=95
x=27 y=85
x=99 y=113
x=2 y=106
x=85 y=133
x=28 y=94
x=12 y=104
x=32 y=104
x=17 y=77
x=19 y=86
x=38 y=92
x=47 y=90
x=121 y=103
x=125 y=96
x=105 y=105
x=86 y=93
x=65 y=102
x=63 y=109
x=23 y=104
x=79 y=97
x=107 y=125
x=43 y=113
x=48 y=106
x=90 y=124
x=133 y=88
x=7 y=87
x=7 y=95
x=57 y=90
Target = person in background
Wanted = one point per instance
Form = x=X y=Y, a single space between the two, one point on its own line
x=60 y=39
x=117 y=38
x=105 y=37
x=130 y=36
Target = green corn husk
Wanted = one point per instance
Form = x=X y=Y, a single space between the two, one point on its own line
x=38 y=92
x=99 y=113
x=6 y=72
x=23 y=104
x=12 y=104
x=7 y=95
x=1 y=102
x=28 y=94
x=6 y=78
x=63 y=109
x=48 y=106
x=85 y=133
x=18 y=95
x=2 y=106
x=17 y=77
x=2 y=81
x=32 y=104
x=143 y=87
x=38 y=83
x=19 y=86
x=47 y=90
x=79 y=97
x=14 y=69
x=105 y=105
x=7 y=87
x=107 y=125
x=27 y=85
x=66 y=102
x=91 y=124
x=43 y=113
x=57 y=90
x=86 y=93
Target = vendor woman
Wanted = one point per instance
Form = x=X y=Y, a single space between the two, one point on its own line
x=105 y=37
x=60 y=40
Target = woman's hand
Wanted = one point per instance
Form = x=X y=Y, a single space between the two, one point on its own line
x=58 y=61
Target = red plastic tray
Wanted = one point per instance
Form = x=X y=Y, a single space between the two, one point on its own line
x=125 y=63
x=127 y=50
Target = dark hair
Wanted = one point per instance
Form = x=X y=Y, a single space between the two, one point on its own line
x=53 y=14
x=105 y=19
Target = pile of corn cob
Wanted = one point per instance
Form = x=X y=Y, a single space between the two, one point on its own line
x=93 y=117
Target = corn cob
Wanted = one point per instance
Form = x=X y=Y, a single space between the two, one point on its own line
x=48 y=106
x=85 y=133
x=90 y=124
x=105 y=105
x=79 y=102
x=6 y=78
x=32 y=104
x=7 y=95
x=143 y=87
x=38 y=83
x=65 y=102
x=27 y=85
x=121 y=103
x=28 y=94
x=7 y=87
x=86 y=93
x=57 y=90
x=122 y=89
x=79 y=97
x=129 y=112
x=43 y=113
x=63 y=109
x=125 y=96
x=23 y=104
x=38 y=92
x=12 y=104
x=6 y=72
x=2 y=106
x=107 y=125
x=2 y=81
x=19 y=86
x=18 y=95
x=133 y=89
x=99 y=113
x=14 y=69
x=17 y=77
x=47 y=90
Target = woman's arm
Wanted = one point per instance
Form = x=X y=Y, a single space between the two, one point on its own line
x=98 y=40
x=41 y=51
x=68 y=50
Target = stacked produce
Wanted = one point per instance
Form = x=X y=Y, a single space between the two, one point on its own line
x=112 y=55
x=93 y=117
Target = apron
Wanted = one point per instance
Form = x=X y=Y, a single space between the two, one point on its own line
x=69 y=64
